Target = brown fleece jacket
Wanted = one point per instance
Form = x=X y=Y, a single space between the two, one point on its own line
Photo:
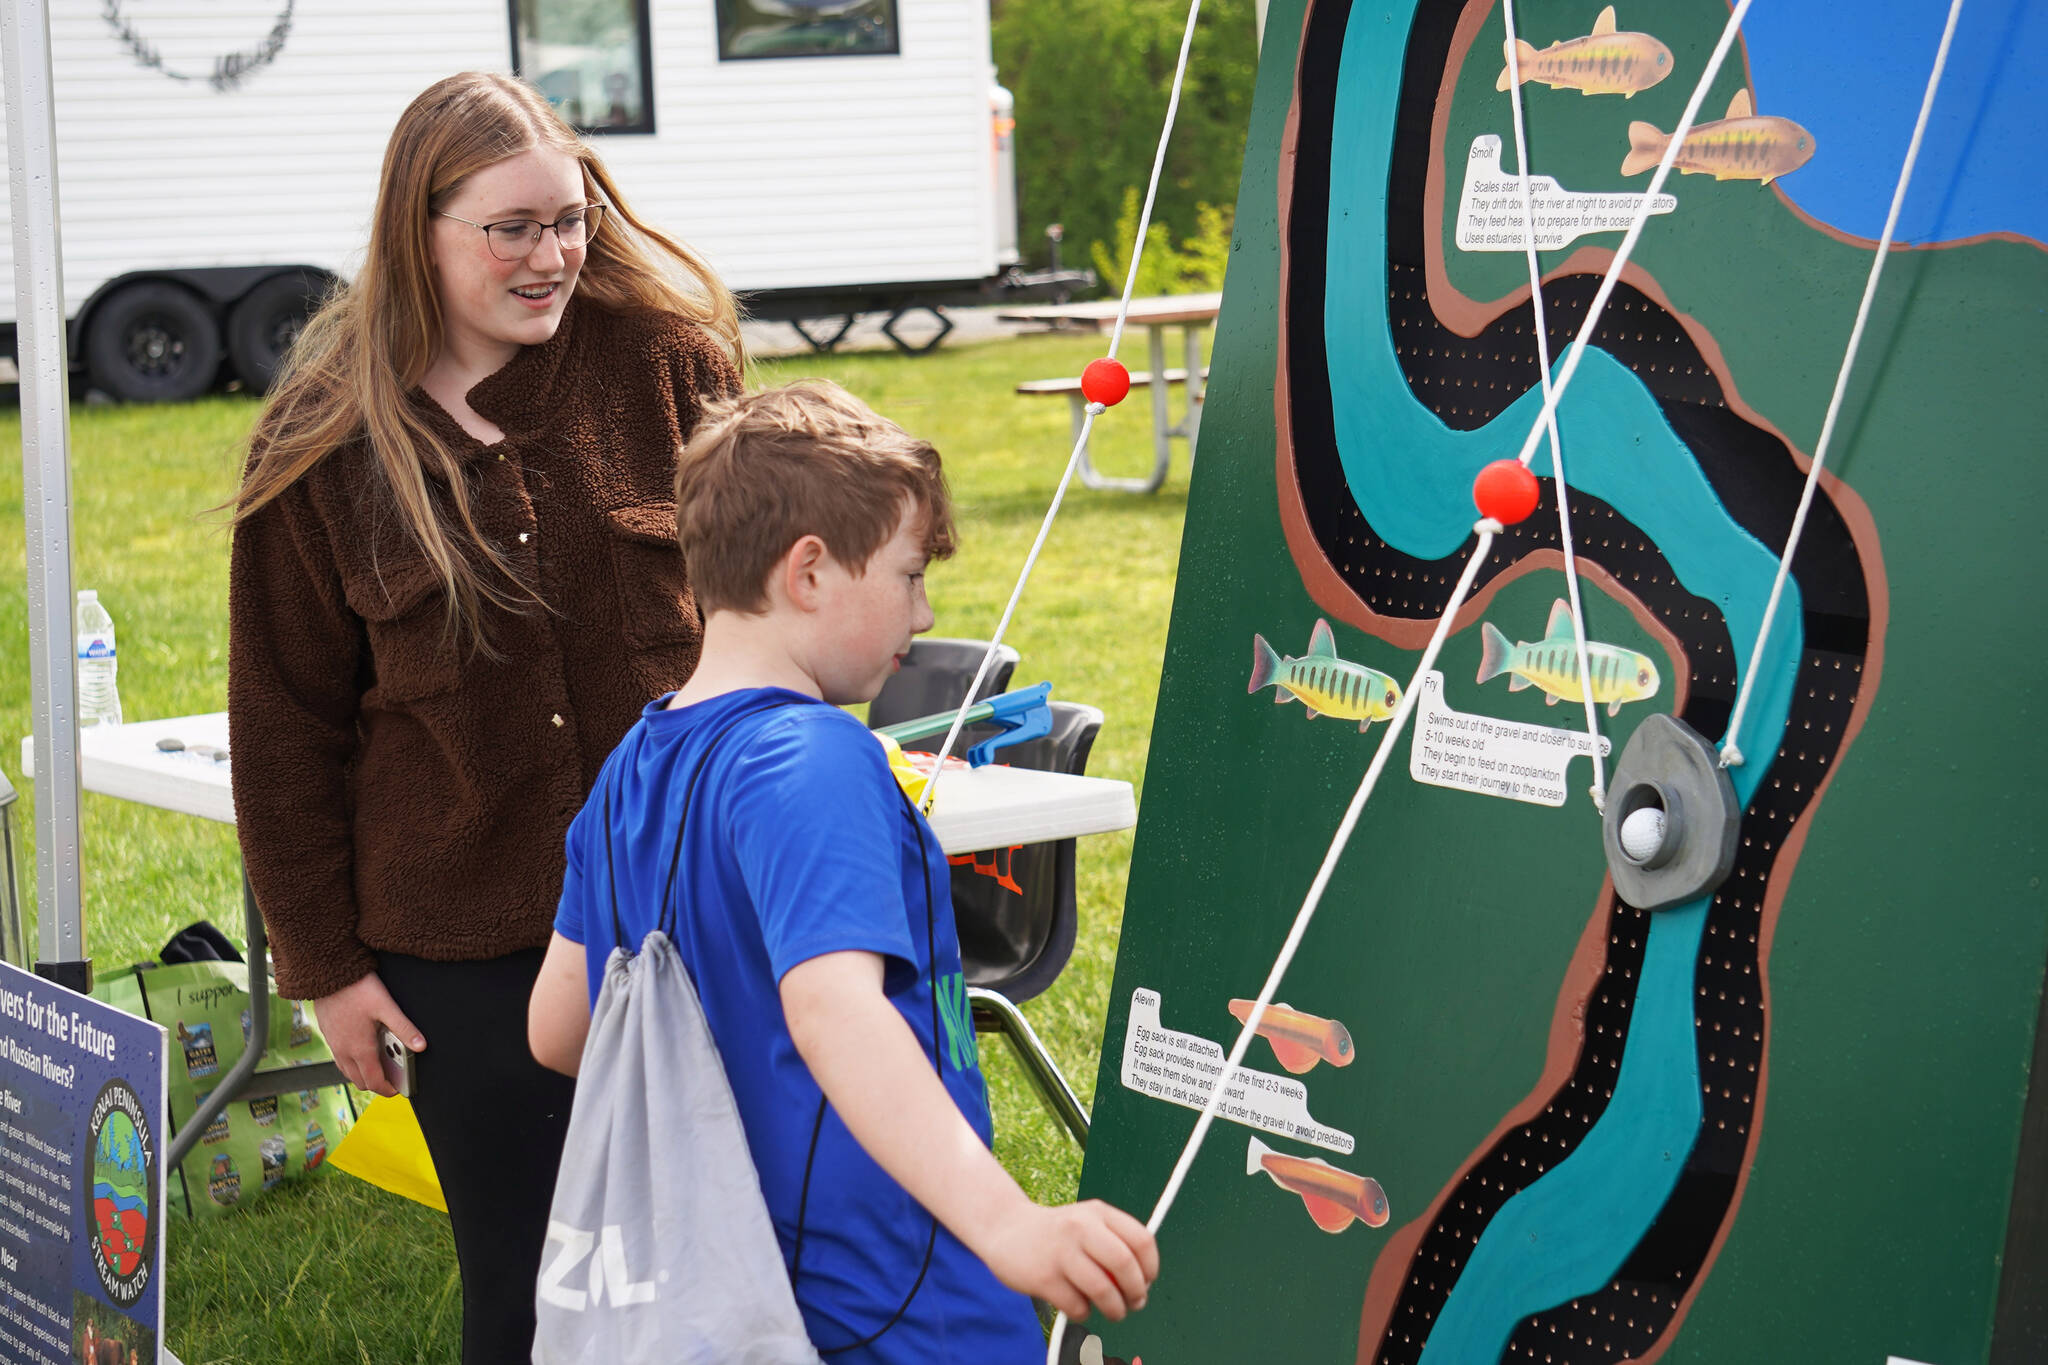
x=394 y=792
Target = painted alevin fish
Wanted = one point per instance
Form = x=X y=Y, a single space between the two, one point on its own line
x=1334 y=1198
x=1326 y=684
x=1552 y=663
x=1743 y=146
x=1299 y=1040
x=1604 y=62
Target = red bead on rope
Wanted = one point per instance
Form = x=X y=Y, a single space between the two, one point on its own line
x=1105 y=381
x=1505 y=491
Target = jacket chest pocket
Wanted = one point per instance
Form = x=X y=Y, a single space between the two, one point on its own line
x=655 y=602
x=411 y=649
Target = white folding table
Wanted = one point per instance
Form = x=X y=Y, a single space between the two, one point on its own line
x=977 y=808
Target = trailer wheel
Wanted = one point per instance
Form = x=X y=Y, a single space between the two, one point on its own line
x=152 y=342
x=265 y=323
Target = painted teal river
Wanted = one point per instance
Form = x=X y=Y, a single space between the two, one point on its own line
x=1567 y=1234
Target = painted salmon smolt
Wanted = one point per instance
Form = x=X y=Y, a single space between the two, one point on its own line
x=1743 y=146
x=1325 y=684
x=1552 y=663
x=1604 y=62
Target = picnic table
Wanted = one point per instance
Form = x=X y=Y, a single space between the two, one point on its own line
x=1193 y=314
x=978 y=808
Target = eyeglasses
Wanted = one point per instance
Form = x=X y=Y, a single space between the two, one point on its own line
x=513 y=239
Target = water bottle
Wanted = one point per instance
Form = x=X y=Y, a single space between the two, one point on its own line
x=99 y=699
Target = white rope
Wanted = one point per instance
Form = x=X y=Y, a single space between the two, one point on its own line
x=1731 y=753
x=1598 y=791
x=995 y=644
x=1486 y=530
x=1180 y=71
x=1116 y=336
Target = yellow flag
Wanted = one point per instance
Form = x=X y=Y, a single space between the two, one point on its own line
x=387 y=1149
x=908 y=775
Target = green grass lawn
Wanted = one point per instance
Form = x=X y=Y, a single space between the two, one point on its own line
x=331 y=1269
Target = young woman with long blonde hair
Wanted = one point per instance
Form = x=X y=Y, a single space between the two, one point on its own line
x=454 y=583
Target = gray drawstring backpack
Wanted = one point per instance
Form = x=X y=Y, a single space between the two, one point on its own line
x=659 y=1243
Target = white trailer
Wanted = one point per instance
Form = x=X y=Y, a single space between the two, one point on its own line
x=217 y=159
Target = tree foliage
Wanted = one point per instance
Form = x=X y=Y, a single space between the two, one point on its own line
x=1195 y=266
x=1092 y=78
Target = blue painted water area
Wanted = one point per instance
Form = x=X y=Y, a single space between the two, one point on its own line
x=1570 y=1231
x=1855 y=77
x=126 y=1203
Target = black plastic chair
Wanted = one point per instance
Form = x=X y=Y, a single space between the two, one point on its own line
x=934 y=678
x=1017 y=914
x=1016 y=906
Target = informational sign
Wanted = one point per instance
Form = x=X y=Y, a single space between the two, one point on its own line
x=1181 y=1068
x=1494 y=757
x=1492 y=215
x=82 y=1137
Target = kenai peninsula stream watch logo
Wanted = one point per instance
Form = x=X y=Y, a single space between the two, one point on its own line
x=229 y=69
x=122 y=1226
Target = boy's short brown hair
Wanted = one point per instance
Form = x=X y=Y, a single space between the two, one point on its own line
x=764 y=470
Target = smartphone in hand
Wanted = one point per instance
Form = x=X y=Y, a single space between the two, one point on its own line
x=400 y=1062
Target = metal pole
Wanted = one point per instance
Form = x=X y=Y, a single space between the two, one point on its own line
x=994 y=1013
x=46 y=482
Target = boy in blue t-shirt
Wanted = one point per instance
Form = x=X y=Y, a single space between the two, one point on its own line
x=760 y=826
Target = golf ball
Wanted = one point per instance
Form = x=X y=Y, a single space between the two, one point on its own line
x=1642 y=832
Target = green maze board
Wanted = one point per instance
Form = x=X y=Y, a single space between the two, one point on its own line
x=1504 y=1115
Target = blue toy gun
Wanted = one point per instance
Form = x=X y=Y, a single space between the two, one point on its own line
x=1020 y=715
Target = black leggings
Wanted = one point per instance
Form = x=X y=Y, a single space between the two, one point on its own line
x=494 y=1120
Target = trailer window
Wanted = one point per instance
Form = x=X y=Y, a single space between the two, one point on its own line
x=806 y=28
x=590 y=58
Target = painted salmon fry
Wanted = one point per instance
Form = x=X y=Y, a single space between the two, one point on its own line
x=1325 y=684
x=1552 y=663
